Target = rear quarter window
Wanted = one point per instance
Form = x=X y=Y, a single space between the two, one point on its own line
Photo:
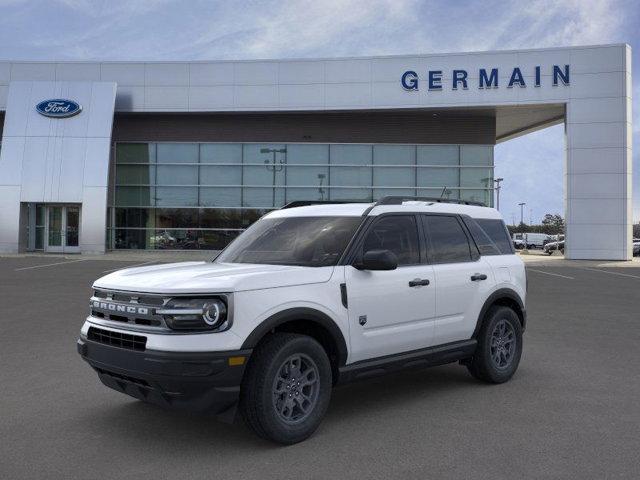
x=497 y=231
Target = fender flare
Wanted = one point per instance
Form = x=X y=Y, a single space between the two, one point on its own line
x=296 y=314
x=501 y=293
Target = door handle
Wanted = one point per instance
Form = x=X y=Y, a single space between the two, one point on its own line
x=418 y=282
x=478 y=276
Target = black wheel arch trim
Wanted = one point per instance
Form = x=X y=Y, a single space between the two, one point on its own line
x=298 y=314
x=502 y=293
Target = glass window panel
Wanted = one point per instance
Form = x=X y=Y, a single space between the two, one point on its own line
x=307 y=154
x=294 y=194
x=221 y=153
x=220 y=175
x=357 y=194
x=132 y=239
x=497 y=231
x=482 y=196
x=40 y=217
x=438 y=177
x=177 y=175
x=394 y=155
x=307 y=176
x=176 y=196
x=176 y=217
x=476 y=155
x=265 y=173
x=398 y=234
x=39 y=238
x=221 y=218
x=135 y=152
x=394 y=177
x=134 y=217
x=351 y=176
x=448 y=242
x=251 y=215
x=220 y=197
x=177 y=152
x=378 y=193
x=135 y=174
x=438 y=155
x=351 y=154
x=262 y=197
x=135 y=196
x=449 y=193
x=173 y=239
x=476 y=177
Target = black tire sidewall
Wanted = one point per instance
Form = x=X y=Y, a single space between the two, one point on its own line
x=273 y=426
x=483 y=354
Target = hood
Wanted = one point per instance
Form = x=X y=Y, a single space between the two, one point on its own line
x=207 y=277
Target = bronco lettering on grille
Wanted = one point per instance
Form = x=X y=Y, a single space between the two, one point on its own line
x=115 y=307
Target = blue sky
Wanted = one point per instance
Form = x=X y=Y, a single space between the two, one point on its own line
x=207 y=30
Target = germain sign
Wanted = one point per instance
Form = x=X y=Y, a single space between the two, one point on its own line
x=487 y=78
x=58 y=108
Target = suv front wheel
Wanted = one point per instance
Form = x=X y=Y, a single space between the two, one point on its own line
x=499 y=347
x=287 y=388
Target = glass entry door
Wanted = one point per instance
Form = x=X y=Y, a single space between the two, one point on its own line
x=62 y=229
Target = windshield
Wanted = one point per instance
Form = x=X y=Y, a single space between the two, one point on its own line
x=303 y=241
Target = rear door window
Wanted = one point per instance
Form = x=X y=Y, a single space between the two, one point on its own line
x=448 y=242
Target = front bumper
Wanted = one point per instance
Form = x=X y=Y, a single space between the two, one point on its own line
x=195 y=381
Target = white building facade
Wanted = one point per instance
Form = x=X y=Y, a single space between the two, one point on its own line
x=109 y=155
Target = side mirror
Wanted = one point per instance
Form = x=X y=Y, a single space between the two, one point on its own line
x=378 y=260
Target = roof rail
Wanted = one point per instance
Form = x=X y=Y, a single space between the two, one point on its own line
x=306 y=203
x=397 y=200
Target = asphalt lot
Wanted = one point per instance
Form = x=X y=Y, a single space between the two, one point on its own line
x=571 y=411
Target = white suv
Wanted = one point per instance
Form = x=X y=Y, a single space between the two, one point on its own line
x=307 y=297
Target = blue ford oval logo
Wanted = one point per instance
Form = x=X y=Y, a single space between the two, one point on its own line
x=58 y=108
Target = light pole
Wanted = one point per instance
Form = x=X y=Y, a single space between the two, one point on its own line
x=274 y=166
x=497 y=182
x=522 y=212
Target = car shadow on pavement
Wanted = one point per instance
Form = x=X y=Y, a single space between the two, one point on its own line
x=134 y=421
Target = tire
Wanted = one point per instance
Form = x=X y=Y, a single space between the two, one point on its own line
x=273 y=402
x=497 y=364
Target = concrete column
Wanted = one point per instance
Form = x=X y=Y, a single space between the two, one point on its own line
x=598 y=205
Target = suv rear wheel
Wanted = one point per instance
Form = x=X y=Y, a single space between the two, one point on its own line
x=287 y=388
x=499 y=346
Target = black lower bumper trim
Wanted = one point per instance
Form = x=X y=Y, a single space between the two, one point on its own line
x=198 y=381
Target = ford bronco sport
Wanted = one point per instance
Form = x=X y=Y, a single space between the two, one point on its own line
x=308 y=297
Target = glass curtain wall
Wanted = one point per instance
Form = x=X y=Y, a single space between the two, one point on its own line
x=202 y=195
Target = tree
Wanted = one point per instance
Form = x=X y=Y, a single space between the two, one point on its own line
x=553 y=224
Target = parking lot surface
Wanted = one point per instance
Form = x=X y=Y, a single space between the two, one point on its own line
x=571 y=411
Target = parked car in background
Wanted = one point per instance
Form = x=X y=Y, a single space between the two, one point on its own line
x=636 y=247
x=518 y=244
x=532 y=240
x=550 y=247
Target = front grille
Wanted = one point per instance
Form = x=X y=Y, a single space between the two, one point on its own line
x=125 y=297
x=132 y=308
x=117 y=339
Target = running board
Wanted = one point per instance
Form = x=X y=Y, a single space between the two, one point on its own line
x=426 y=357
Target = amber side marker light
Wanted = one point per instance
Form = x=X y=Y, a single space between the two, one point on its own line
x=235 y=361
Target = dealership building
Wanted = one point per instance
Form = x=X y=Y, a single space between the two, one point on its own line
x=99 y=156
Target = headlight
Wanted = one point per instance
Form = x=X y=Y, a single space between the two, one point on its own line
x=196 y=314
